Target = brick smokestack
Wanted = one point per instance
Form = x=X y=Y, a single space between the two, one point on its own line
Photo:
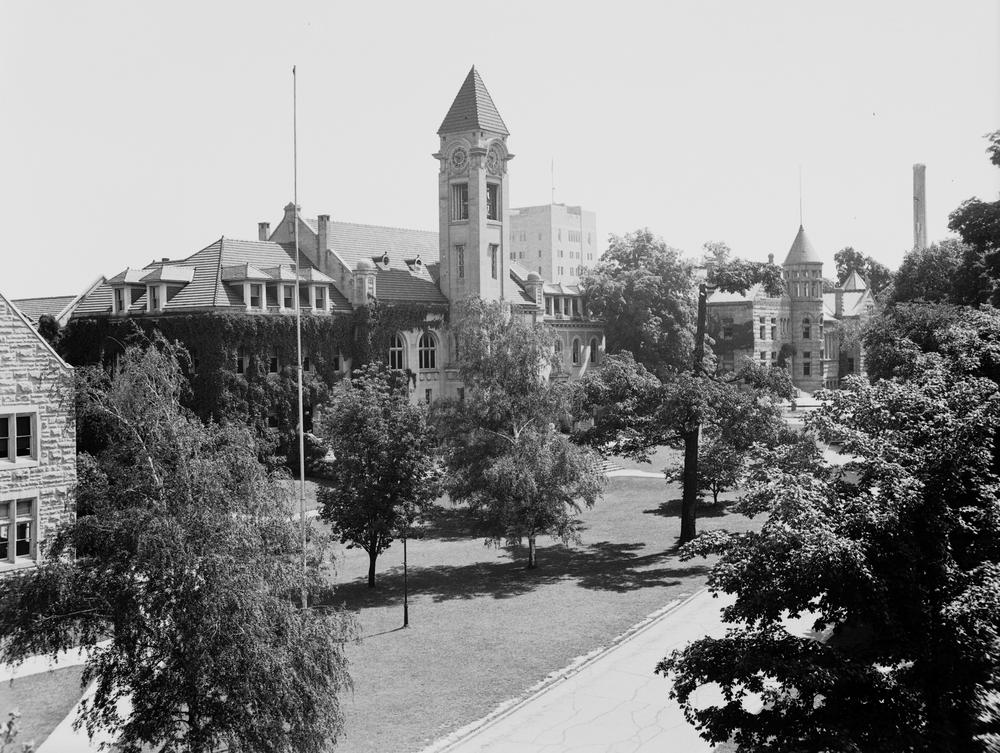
x=322 y=236
x=919 y=206
x=263 y=231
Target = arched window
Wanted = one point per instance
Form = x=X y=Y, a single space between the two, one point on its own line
x=593 y=350
x=427 y=351
x=806 y=328
x=576 y=352
x=397 y=353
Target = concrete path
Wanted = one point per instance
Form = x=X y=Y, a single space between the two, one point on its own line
x=614 y=703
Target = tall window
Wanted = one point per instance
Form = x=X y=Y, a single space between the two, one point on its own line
x=806 y=327
x=17 y=515
x=154 y=297
x=272 y=365
x=17 y=437
x=427 y=351
x=255 y=296
x=119 y=300
x=288 y=296
x=727 y=329
x=593 y=350
x=460 y=201
x=397 y=353
x=576 y=352
x=493 y=260
x=492 y=201
x=774 y=328
x=321 y=298
x=806 y=363
x=763 y=332
x=460 y=261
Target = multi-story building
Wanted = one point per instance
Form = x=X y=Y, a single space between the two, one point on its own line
x=802 y=329
x=344 y=267
x=554 y=240
x=37 y=440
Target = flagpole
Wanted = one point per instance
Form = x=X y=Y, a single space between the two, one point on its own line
x=298 y=333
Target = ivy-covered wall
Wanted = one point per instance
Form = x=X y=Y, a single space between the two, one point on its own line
x=741 y=339
x=231 y=370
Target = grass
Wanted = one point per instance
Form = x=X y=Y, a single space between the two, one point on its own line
x=44 y=700
x=483 y=629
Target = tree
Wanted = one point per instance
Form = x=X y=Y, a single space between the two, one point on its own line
x=186 y=562
x=876 y=274
x=384 y=474
x=48 y=328
x=643 y=292
x=928 y=274
x=977 y=222
x=895 y=560
x=717 y=252
x=719 y=466
x=505 y=457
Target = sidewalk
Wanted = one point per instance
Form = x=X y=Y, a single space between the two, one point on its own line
x=613 y=704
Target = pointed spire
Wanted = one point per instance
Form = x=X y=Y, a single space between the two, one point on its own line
x=802 y=251
x=473 y=108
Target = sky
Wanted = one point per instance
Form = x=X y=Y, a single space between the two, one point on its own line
x=138 y=131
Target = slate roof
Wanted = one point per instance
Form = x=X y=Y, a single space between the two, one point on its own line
x=854 y=281
x=400 y=281
x=53 y=305
x=802 y=251
x=473 y=108
x=208 y=270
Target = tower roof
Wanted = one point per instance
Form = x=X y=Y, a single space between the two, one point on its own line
x=473 y=108
x=854 y=282
x=802 y=251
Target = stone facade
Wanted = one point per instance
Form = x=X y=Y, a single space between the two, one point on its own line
x=37 y=441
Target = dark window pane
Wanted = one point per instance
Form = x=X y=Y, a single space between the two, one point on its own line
x=22 y=546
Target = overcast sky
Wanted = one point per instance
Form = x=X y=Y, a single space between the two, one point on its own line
x=133 y=131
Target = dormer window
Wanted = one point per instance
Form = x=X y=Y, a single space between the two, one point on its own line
x=254 y=294
x=288 y=296
x=320 y=298
x=120 y=306
x=153 y=297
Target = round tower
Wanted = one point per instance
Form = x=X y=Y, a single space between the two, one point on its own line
x=803 y=272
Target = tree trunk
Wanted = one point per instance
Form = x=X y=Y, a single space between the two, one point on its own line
x=371 y=568
x=532 y=563
x=689 y=500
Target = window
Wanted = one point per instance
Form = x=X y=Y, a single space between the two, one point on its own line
x=513 y=255
x=272 y=366
x=806 y=363
x=574 y=236
x=763 y=332
x=427 y=352
x=850 y=365
x=241 y=363
x=493 y=260
x=17 y=436
x=774 y=332
x=335 y=363
x=460 y=202
x=428 y=394
x=576 y=352
x=727 y=329
x=119 y=300
x=593 y=350
x=255 y=296
x=154 y=297
x=461 y=394
x=460 y=262
x=288 y=296
x=321 y=298
x=774 y=355
x=19 y=515
x=397 y=353
x=271 y=295
x=492 y=201
x=763 y=356
x=806 y=328
x=558 y=350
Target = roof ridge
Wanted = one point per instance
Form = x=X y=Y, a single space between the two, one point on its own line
x=384 y=227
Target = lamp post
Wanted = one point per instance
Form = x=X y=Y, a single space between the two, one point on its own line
x=692 y=432
x=406 y=603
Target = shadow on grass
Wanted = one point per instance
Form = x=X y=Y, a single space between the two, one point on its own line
x=603 y=566
x=448 y=523
x=672 y=509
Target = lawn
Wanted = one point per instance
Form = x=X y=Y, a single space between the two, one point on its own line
x=44 y=699
x=483 y=629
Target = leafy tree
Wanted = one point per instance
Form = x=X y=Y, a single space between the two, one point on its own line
x=876 y=274
x=504 y=455
x=717 y=252
x=897 y=562
x=9 y=732
x=978 y=224
x=928 y=274
x=186 y=564
x=719 y=468
x=384 y=473
x=48 y=328
x=643 y=291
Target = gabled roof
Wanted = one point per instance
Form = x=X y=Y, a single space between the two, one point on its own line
x=52 y=305
x=802 y=251
x=7 y=305
x=854 y=282
x=473 y=108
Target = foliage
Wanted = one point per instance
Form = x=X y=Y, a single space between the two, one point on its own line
x=846 y=260
x=716 y=252
x=8 y=735
x=738 y=276
x=719 y=467
x=643 y=291
x=48 y=328
x=978 y=224
x=186 y=564
x=966 y=337
x=742 y=338
x=928 y=274
x=504 y=456
x=896 y=562
x=383 y=475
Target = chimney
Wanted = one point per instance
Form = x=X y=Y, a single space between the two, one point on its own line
x=263 y=231
x=919 y=207
x=322 y=234
x=838 y=298
x=291 y=211
x=770 y=258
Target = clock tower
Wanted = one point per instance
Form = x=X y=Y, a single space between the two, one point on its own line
x=473 y=196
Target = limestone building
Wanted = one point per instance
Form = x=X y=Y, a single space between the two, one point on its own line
x=346 y=266
x=803 y=329
x=37 y=440
x=554 y=240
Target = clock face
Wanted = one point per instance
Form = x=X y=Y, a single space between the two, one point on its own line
x=459 y=158
x=493 y=160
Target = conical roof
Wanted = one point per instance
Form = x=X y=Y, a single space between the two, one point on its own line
x=473 y=108
x=802 y=251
